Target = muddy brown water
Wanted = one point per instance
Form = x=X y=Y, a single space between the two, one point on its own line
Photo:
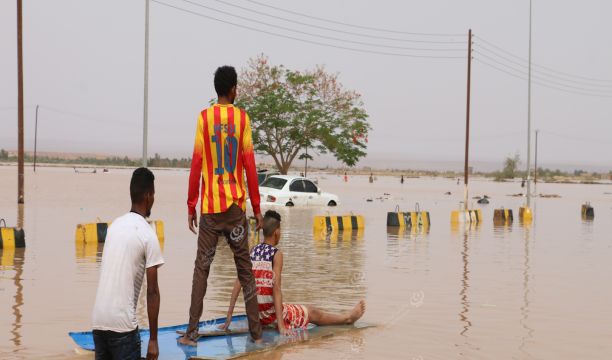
x=542 y=291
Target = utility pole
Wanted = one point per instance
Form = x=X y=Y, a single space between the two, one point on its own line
x=306 y=164
x=467 y=122
x=20 y=176
x=535 y=170
x=145 y=120
x=35 y=137
x=529 y=118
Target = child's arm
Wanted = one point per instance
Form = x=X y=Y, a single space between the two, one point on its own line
x=277 y=293
x=230 y=310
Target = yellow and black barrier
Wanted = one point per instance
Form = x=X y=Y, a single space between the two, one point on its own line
x=158 y=226
x=525 y=214
x=338 y=223
x=503 y=216
x=96 y=232
x=11 y=238
x=587 y=211
x=91 y=233
x=466 y=216
x=408 y=219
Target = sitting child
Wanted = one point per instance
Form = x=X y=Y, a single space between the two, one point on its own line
x=267 y=268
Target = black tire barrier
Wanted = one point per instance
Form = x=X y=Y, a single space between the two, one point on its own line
x=96 y=232
x=11 y=238
x=408 y=219
x=466 y=216
x=339 y=223
x=503 y=216
x=587 y=211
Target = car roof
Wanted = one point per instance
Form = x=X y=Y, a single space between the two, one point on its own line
x=289 y=177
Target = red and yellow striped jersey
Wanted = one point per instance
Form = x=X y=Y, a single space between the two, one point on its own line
x=223 y=148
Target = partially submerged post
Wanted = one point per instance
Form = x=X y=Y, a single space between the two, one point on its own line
x=525 y=211
x=35 y=137
x=465 y=215
x=467 y=123
x=20 y=192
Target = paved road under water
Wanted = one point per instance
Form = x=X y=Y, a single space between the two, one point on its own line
x=512 y=292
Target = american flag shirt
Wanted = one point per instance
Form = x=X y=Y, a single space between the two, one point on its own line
x=262 y=256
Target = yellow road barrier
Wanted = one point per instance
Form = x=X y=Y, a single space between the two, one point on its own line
x=339 y=223
x=96 y=232
x=502 y=216
x=525 y=214
x=408 y=219
x=587 y=211
x=11 y=238
x=466 y=216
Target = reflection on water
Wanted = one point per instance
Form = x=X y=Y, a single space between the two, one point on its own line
x=406 y=232
x=11 y=263
x=525 y=306
x=457 y=228
x=463 y=315
x=337 y=238
x=403 y=244
x=88 y=252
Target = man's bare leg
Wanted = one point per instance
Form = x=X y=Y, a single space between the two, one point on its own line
x=320 y=317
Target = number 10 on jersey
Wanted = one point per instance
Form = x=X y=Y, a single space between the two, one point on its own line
x=227 y=153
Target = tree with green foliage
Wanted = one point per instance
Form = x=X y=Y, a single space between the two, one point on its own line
x=510 y=169
x=510 y=166
x=296 y=110
x=4 y=154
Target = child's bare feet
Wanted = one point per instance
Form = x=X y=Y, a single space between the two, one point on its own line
x=357 y=312
x=185 y=340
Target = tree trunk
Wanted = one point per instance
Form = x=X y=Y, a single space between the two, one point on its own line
x=285 y=168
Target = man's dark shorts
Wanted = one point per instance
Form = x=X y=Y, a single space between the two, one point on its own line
x=112 y=345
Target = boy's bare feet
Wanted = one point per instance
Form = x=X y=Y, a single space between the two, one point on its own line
x=185 y=340
x=357 y=312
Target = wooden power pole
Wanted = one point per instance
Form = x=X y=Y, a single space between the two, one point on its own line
x=20 y=196
x=467 y=122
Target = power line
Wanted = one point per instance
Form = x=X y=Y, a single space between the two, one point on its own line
x=540 y=83
x=544 y=79
x=348 y=24
x=481 y=138
x=540 y=72
x=542 y=66
x=293 y=21
x=582 y=139
x=317 y=35
x=306 y=40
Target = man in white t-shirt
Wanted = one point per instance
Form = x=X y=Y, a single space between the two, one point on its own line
x=131 y=249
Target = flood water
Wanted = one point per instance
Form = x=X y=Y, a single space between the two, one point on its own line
x=539 y=291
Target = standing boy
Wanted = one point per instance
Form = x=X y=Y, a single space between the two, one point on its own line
x=223 y=151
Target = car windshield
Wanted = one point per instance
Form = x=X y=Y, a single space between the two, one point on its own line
x=274 y=183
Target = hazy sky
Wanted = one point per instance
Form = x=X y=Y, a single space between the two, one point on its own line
x=85 y=59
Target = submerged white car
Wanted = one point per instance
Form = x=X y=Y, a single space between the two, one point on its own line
x=288 y=190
